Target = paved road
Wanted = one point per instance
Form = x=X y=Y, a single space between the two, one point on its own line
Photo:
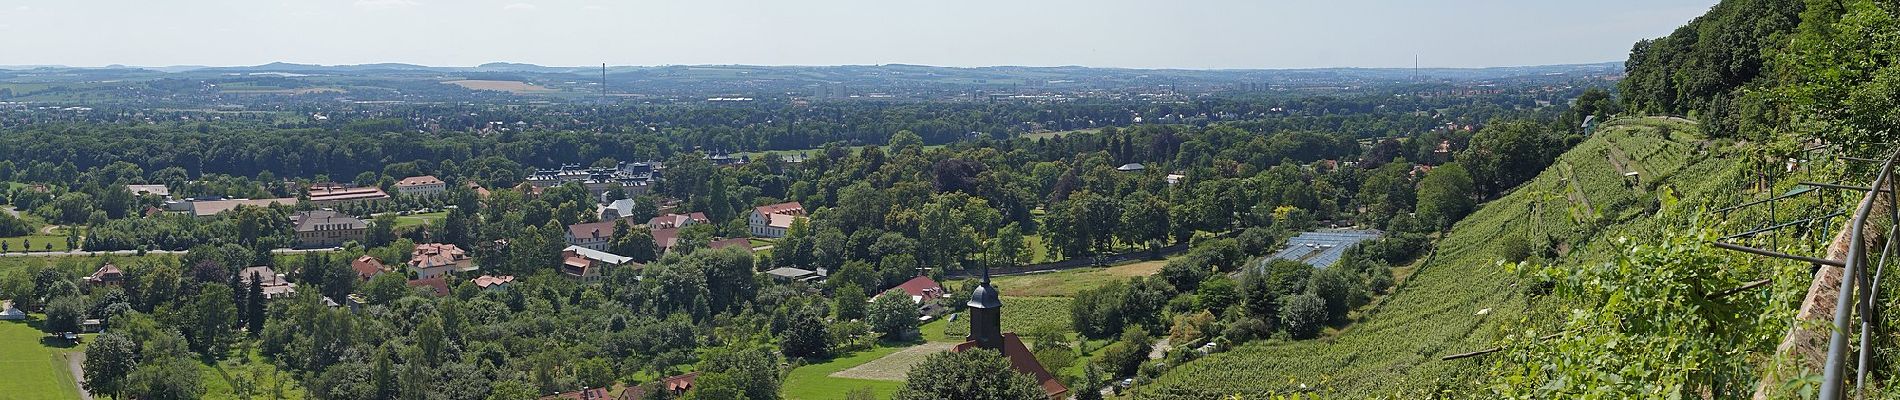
x=135 y=252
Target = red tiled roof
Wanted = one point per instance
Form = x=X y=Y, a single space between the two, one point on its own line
x=487 y=281
x=429 y=255
x=592 y=230
x=1025 y=362
x=921 y=286
x=437 y=285
x=677 y=220
x=367 y=266
x=665 y=238
x=792 y=208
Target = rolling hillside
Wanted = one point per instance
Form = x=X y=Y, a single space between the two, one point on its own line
x=1461 y=299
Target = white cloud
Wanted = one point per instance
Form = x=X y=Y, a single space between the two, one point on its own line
x=519 y=6
x=385 y=4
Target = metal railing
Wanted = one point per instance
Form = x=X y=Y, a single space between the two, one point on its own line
x=1854 y=274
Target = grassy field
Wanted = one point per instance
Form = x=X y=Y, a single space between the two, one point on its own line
x=31 y=370
x=1395 y=349
x=432 y=218
x=814 y=382
x=1068 y=282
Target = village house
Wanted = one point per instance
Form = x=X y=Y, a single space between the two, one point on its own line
x=367 y=267
x=106 y=275
x=325 y=228
x=583 y=394
x=421 y=186
x=432 y=260
x=331 y=195
x=923 y=291
x=273 y=283
x=774 y=220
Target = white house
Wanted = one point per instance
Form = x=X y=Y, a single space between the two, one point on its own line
x=773 y=220
x=421 y=185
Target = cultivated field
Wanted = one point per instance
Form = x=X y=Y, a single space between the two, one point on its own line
x=895 y=366
x=1068 y=282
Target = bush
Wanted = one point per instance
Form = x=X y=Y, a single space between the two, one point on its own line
x=1303 y=315
x=1514 y=248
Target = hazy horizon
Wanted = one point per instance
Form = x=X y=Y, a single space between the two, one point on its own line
x=1194 y=35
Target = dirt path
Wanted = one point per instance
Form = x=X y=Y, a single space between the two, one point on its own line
x=76 y=361
x=895 y=366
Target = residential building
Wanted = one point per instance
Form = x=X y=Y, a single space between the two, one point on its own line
x=677 y=220
x=421 y=186
x=330 y=195
x=634 y=179
x=592 y=235
x=617 y=209
x=775 y=219
x=325 y=228
x=273 y=283
x=432 y=260
x=367 y=267
x=493 y=282
x=106 y=275
x=587 y=265
x=789 y=274
x=8 y=313
x=676 y=385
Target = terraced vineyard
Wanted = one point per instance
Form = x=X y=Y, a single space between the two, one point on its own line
x=1462 y=299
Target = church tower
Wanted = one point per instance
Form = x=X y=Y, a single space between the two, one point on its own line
x=986 y=318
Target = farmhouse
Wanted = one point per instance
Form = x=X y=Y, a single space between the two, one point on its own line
x=325 y=228
x=421 y=186
x=775 y=219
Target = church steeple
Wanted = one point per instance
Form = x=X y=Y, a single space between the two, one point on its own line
x=986 y=307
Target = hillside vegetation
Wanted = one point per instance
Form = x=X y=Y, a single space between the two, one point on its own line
x=1463 y=298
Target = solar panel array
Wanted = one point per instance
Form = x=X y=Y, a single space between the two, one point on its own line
x=1322 y=248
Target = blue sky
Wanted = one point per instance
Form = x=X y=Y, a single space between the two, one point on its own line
x=1098 y=33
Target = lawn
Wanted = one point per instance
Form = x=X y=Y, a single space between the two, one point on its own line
x=33 y=370
x=814 y=382
x=420 y=219
x=39 y=243
x=249 y=375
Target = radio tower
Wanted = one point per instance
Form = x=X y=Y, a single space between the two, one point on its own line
x=603 y=83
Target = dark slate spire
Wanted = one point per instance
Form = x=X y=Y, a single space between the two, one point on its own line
x=986 y=322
